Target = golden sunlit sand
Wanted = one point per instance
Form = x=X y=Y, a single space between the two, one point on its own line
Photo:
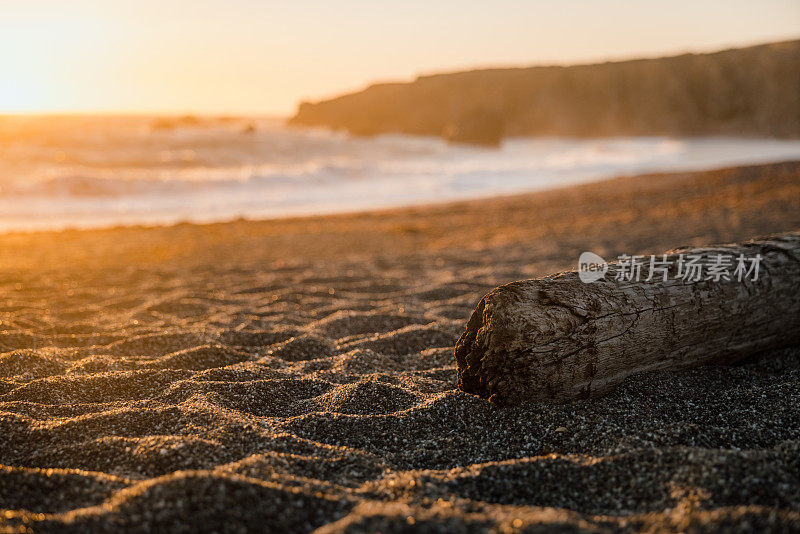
x=295 y=374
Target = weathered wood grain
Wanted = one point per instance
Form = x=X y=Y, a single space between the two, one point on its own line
x=557 y=338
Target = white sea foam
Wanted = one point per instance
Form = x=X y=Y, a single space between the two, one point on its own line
x=100 y=172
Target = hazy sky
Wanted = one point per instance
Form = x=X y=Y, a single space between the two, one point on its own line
x=264 y=56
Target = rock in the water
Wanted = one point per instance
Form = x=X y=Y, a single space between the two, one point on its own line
x=479 y=127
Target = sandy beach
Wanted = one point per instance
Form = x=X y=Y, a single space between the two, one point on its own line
x=298 y=374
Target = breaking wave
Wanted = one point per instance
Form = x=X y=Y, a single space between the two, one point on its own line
x=89 y=172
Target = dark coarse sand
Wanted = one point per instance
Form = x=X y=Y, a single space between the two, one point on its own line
x=298 y=374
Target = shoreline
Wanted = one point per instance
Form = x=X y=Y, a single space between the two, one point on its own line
x=208 y=174
x=388 y=210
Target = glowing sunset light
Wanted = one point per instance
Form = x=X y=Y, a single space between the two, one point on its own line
x=263 y=57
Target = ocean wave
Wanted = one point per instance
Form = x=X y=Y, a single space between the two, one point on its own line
x=127 y=174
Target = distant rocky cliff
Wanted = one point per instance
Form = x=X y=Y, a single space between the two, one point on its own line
x=751 y=91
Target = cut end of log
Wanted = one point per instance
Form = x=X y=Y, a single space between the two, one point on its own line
x=469 y=354
x=501 y=332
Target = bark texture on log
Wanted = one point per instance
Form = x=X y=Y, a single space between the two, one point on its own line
x=557 y=338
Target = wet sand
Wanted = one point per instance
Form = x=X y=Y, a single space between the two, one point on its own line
x=298 y=374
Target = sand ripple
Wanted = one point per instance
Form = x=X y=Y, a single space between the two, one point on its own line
x=351 y=420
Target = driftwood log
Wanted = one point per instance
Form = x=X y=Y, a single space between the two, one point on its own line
x=558 y=338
